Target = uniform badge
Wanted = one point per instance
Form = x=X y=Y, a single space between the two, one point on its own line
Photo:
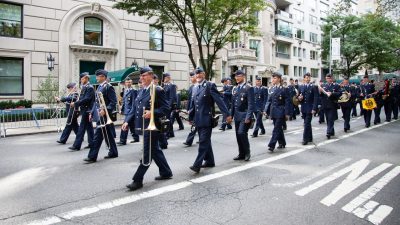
x=280 y=97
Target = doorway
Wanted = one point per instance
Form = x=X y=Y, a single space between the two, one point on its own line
x=90 y=66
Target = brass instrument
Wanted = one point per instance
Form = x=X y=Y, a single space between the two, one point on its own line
x=152 y=124
x=295 y=100
x=103 y=124
x=345 y=97
x=386 y=90
x=73 y=109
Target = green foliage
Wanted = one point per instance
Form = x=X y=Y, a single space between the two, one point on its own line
x=213 y=23
x=48 y=89
x=184 y=95
x=12 y=105
x=373 y=41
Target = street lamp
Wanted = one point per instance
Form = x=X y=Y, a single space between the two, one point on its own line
x=50 y=62
x=330 y=42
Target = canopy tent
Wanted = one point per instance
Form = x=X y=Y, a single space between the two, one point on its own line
x=118 y=75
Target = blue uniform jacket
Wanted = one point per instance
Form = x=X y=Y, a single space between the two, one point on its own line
x=202 y=104
x=310 y=97
x=278 y=104
x=161 y=107
x=128 y=101
x=170 y=93
x=190 y=93
x=68 y=99
x=86 y=99
x=243 y=103
x=227 y=95
x=331 y=101
x=110 y=99
x=261 y=97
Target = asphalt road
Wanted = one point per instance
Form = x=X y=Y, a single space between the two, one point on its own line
x=350 y=179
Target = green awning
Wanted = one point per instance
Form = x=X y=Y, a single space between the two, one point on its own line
x=116 y=76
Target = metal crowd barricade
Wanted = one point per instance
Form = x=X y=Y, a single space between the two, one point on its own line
x=31 y=118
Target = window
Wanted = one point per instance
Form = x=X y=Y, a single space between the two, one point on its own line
x=300 y=71
x=93 y=31
x=313 y=20
x=284 y=69
x=299 y=53
x=295 y=71
x=255 y=45
x=313 y=55
x=294 y=51
x=156 y=38
x=11 y=76
x=304 y=53
x=299 y=15
x=282 y=50
x=256 y=17
x=314 y=72
x=304 y=70
x=284 y=28
x=300 y=34
x=10 y=20
x=313 y=37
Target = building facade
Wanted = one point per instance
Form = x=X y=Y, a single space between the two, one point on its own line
x=82 y=36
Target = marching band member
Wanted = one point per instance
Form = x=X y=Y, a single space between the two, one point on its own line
x=127 y=105
x=150 y=137
x=105 y=129
x=395 y=98
x=170 y=92
x=261 y=97
x=347 y=106
x=190 y=137
x=227 y=96
x=292 y=92
x=367 y=90
x=85 y=103
x=308 y=98
x=242 y=110
x=72 y=116
x=278 y=109
x=205 y=94
x=329 y=93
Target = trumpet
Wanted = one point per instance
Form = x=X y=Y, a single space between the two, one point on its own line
x=151 y=127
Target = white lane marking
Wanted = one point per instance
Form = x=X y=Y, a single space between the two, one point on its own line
x=380 y=214
x=351 y=182
x=184 y=184
x=315 y=175
x=23 y=179
x=361 y=211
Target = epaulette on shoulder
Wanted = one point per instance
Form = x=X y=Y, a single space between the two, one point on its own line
x=159 y=88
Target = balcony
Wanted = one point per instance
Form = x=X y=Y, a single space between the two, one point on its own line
x=283 y=15
x=283 y=55
x=242 y=53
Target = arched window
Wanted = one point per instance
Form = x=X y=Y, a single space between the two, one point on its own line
x=93 y=31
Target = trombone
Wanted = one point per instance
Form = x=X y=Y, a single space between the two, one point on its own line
x=103 y=121
x=151 y=127
x=72 y=109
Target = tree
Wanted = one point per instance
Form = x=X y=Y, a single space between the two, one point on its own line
x=351 y=48
x=207 y=25
x=381 y=42
x=48 y=89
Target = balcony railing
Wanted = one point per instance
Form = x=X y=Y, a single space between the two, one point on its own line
x=284 y=14
x=283 y=55
x=284 y=33
x=243 y=53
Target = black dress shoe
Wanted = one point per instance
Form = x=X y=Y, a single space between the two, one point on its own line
x=87 y=147
x=187 y=144
x=195 y=169
x=345 y=130
x=121 y=143
x=223 y=129
x=281 y=146
x=134 y=186
x=271 y=149
x=134 y=141
x=262 y=132
x=110 y=156
x=181 y=128
x=328 y=136
x=229 y=128
x=254 y=135
x=238 y=157
x=247 y=157
x=305 y=142
x=162 y=177
x=73 y=148
x=89 y=160
x=164 y=147
x=60 y=142
x=207 y=165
